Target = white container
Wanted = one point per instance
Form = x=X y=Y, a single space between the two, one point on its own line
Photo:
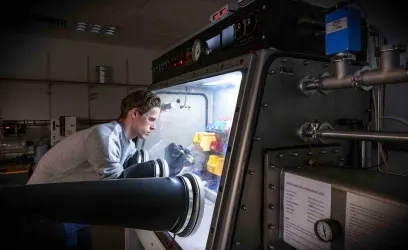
x=104 y=74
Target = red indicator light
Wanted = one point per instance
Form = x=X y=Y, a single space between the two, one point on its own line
x=224 y=11
x=215 y=17
x=181 y=62
x=175 y=65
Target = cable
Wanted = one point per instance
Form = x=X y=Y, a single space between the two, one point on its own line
x=170 y=245
x=393 y=118
x=382 y=150
x=378 y=165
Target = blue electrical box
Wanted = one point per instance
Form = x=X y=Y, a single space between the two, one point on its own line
x=343 y=31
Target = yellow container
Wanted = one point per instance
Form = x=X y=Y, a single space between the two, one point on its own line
x=203 y=140
x=215 y=164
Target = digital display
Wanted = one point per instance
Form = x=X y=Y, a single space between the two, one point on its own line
x=178 y=60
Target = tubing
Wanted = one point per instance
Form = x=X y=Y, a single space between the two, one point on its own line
x=361 y=135
x=154 y=204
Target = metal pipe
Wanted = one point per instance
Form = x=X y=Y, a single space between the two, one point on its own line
x=186 y=93
x=342 y=67
x=389 y=72
x=154 y=204
x=379 y=77
x=331 y=82
x=359 y=135
x=379 y=118
x=342 y=77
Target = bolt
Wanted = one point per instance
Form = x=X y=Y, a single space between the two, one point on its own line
x=265 y=105
x=325 y=65
x=309 y=94
x=295 y=154
x=323 y=151
x=244 y=207
x=306 y=63
x=257 y=138
x=270 y=226
x=263 y=36
x=271 y=72
x=310 y=153
x=336 y=151
x=280 y=155
x=341 y=159
x=271 y=186
x=284 y=60
x=263 y=7
x=270 y=247
x=250 y=172
x=272 y=166
x=237 y=243
x=270 y=206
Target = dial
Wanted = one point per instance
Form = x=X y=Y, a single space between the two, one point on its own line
x=197 y=50
x=327 y=230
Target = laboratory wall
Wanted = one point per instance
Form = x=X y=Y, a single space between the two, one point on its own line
x=40 y=58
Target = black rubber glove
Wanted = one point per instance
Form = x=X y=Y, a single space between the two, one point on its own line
x=177 y=157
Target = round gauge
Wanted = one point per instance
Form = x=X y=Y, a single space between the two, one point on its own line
x=327 y=230
x=197 y=50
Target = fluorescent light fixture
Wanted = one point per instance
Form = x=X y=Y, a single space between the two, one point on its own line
x=110 y=31
x=81 y=26
x=95 y=28
x=234 y=79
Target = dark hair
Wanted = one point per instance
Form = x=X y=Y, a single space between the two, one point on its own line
x=142 y=100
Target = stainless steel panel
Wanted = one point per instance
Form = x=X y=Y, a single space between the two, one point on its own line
x=282 y=109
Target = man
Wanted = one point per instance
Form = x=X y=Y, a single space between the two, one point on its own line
x=98 y=153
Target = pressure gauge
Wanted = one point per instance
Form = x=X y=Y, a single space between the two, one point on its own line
x=197 y=50
x=327 y=230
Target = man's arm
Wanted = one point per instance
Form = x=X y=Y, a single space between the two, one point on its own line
x=103 y=152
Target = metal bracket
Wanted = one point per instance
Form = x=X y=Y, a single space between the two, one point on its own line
x=275 y=161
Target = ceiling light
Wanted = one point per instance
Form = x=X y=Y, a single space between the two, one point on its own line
x=81 y=26
x=95 y=28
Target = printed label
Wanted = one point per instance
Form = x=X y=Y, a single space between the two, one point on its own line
x=374 y=224
x=336 y=25
x=305 y=202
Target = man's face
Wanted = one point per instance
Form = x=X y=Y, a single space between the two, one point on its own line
x=144 y=124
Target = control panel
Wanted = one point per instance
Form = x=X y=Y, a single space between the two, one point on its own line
x=235 y=32
x=243 y=31
x=247 y=29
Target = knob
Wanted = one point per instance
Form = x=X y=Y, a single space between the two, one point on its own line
x=327 y=230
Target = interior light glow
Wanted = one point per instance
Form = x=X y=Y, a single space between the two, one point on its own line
x=229 y=79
